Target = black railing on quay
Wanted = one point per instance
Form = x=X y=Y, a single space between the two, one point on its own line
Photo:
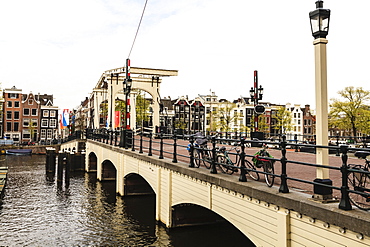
x=168 y=144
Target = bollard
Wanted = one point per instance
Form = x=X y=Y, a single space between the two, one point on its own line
x=61 y=160
x=67 y=171
x=50 y=160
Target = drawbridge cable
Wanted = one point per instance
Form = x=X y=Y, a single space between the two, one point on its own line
x=137 y=31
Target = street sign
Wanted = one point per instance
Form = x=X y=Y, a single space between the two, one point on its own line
x=259 y=109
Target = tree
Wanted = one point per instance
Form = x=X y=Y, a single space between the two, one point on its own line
x=224 y=115
x=142 y=109
x=283 y=120
x=352 y=114
x=262 y=124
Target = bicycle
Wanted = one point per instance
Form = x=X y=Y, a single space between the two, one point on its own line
x=201 y=153
x=229 y=167
x=360 y=182
x=259 y=160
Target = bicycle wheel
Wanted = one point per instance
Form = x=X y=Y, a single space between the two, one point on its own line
x=196 y=157
x=206 y=159
x=253 y=174
x=224 y=167
x=268 y=167
x=359 y=182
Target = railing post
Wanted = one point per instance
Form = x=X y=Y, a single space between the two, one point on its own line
x=132 y=141
x=174 y=160
x=191 y=152
x=150 y=144
x=283 y=186
x=344 y=203
x=243 y=177
x=141 y=141
x=115 y=137
x=111 y=136
x=296 y=143
x=337 y=150
x=121 y=136
x=161 y=146
x=214 y=156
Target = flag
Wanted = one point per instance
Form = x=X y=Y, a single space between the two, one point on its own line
x=65 y=117
x=61 y=122
x=117 y=119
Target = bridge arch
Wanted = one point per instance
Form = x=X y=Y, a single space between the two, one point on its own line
x=189 y=214
x=92 y=162
x=108 y=171
x=135 y=184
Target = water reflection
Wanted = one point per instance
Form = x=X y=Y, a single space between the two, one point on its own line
x=37 y=210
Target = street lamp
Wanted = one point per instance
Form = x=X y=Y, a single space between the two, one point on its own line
x=319 y=20
x=256 y=94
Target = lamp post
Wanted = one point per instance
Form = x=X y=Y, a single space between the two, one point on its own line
x=319 y=19
x=256 y=94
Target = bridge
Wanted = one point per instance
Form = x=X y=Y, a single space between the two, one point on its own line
x=188 y=196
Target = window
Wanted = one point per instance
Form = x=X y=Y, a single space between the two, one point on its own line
x=9 y=104
x=53 y=123
x=30 y=101
x=16 y=115
x=26 y=112
x=9 y=115
x=8 y=126
x=34 y=112
x=52 y=114
x=45 y=113
x=26 y=134
x=44 y=123
x=26 y=122
x=12 y=95
x=50 y=134
x=15 y=137
x=34 y=122
x=43 y=134
x=16 y=126
x=16 y=104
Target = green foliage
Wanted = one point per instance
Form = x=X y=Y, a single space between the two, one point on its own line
x=284 y=120
x=180 y=124
x=351 y=114
x=224 y=116
x=142 y=109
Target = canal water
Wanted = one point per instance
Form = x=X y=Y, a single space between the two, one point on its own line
x=38 y=211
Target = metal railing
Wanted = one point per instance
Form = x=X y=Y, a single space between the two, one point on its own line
x=168 y=145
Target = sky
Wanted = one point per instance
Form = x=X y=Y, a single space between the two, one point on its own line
x=63 y=47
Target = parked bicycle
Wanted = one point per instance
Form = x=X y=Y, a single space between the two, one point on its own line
x=201 y=153
x=360 y=182
x=229 y=167
x=264 y=159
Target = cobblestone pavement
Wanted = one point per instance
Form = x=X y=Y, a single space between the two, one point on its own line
x=293 y=170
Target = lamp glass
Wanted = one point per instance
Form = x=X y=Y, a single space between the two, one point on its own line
x=260 y=90
x=319 y=19
x=251 y=93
